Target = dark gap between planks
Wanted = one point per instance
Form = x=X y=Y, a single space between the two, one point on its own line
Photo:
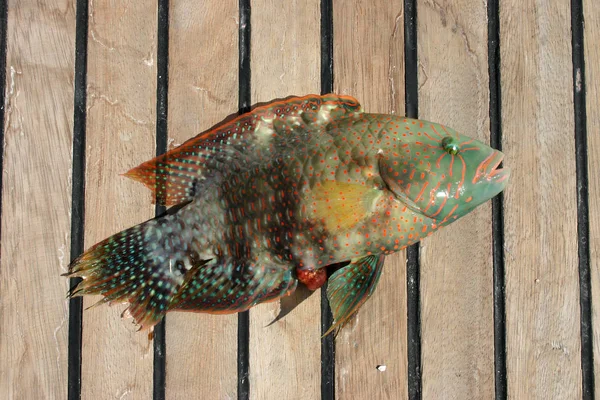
x=162 y=107
x=3 y=44
x=497 y=203
x=244 y=103
x=583 y=223
x=78 y=195
x=327 y=342
x=413 y=284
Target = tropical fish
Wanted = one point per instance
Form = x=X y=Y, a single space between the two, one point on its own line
x=275 y=196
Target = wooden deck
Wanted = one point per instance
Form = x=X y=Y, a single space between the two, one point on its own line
x=498 y=305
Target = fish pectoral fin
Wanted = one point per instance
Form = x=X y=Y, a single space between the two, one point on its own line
x=350 y=287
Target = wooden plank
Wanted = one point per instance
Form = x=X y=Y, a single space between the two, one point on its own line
x=542 y=286
x=456 y=263
x=369 y=64
x=285 y=357
x=117 y=361
x=592 y=55
x=36 y=199
x=203 y=86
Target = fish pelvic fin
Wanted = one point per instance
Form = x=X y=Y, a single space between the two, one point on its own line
x=144 y=266
x=351 y=286
x=173 y=177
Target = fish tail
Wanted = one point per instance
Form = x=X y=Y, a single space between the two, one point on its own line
x=143 y=265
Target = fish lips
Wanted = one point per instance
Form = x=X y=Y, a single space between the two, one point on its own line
x=494 y=179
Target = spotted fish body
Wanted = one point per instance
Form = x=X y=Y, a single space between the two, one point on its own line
x=274 y=196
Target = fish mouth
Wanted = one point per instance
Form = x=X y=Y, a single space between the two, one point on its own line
x=495 y=174
x=493 y=180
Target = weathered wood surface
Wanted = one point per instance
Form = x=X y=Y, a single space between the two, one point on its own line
x=203 y=89
x=285 y=358
x=369 y=64
x=456 y=263
x=592 y=56
x=121 y=126
x=542 y=292
x=36 y=199
x=542 y=295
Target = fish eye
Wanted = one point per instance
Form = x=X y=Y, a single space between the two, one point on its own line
x=450 y=145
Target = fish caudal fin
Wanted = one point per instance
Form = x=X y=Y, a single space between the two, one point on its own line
x=142 y=265
x=350 y=287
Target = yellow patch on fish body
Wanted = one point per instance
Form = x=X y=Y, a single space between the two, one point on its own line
x=340 y=206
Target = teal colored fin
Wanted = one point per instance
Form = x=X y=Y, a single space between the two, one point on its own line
x=144 y=266
x=350 y=286
x=229 y=287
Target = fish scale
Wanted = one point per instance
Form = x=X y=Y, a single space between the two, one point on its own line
x=271 y=198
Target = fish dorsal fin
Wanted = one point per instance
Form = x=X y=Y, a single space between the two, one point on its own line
x=173 y=177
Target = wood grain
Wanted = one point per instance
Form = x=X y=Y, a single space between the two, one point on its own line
x=542 y=286
x=203 y=86
x=592 y=55
x=121 y=103
x=456 y=263
x=36 y=199
x=369 y=64
x=285 y=358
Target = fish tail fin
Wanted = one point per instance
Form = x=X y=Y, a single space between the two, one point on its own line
x=143 y=265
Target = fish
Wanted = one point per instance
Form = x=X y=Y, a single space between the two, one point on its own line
x=275 y=197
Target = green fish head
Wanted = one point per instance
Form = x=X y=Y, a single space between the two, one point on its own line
x=442 y=174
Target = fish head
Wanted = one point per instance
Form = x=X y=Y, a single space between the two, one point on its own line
x=441 y=173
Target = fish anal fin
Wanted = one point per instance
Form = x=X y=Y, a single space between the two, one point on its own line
x=172 y=176
x=341 y=205
x=219 y=288
x=350 y=287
